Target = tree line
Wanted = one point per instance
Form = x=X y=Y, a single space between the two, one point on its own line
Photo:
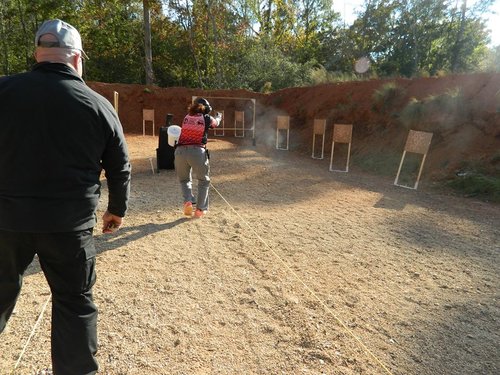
x=261 y=45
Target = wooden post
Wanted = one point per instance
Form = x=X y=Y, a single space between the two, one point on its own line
x=115 y=100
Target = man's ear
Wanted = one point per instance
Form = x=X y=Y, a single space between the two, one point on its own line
x=75 y=60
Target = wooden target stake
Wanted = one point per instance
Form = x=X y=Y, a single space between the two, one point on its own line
x=148 y=115
x=417 y=142
x=239 y=124
x=283 y=124
x=319 y=130
x=115 y=100
x=342 y=133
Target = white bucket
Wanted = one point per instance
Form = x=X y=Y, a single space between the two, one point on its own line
x=174 y=133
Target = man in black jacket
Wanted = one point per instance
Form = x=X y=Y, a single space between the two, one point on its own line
x=56 y=136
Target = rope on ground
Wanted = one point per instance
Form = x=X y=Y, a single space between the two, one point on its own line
x=37 y=323
x=327 y=308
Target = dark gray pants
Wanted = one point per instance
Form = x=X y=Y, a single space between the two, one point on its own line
x=193 y=159
x=68 y=262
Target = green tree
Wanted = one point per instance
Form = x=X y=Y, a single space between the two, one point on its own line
x=467 y=37
x=316 y=21
x=253 y=43
x=112 y=35
x=491 y=63
x=413 y=37
x=148 y=53
x=269 y=67
x=19 y=20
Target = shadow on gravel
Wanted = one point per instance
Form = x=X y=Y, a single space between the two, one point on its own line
x=125 y=235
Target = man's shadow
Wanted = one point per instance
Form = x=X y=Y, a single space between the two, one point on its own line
x=107 y=242
x=124 y=235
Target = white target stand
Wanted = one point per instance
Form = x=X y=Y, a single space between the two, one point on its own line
x=282 y=126
x=319 y=130
x=239 y=124
x=115 y=100
x=148 y=115
x=342 y=133
x=219 y=130
x=417 y=142
x=221 y=102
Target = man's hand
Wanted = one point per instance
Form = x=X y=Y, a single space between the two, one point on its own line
x=110 y=222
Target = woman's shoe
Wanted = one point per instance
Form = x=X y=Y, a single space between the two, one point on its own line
x=188 y=208
x=199 y=213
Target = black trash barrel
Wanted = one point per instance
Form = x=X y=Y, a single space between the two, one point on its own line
x=165 y=152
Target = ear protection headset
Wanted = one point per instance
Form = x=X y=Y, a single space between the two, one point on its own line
x=206 y=104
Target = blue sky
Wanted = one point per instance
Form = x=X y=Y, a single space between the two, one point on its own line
x=349 y=7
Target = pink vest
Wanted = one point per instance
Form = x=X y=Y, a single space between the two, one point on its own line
x=193 y=131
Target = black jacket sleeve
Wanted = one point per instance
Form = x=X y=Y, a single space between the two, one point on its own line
x=116 y=165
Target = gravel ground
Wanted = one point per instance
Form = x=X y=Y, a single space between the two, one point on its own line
x=295 y=270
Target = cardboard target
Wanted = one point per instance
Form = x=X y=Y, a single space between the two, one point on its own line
x=239 y=124
x=148 y=115
x=282 y=132
x=319 y=129
x=342 y=133
x=417 y=142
